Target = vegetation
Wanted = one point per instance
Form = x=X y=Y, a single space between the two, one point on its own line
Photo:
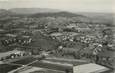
x=78 y=35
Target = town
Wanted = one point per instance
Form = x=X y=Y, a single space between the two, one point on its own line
x=55 y=43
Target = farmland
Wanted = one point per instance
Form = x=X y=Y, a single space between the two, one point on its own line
x=64 y=34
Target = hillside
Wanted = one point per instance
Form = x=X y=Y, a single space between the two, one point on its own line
x=33 y=10
x=106 y=18
x=57 y=14
x=4 y=13
x=99 y=17
x=39 y=12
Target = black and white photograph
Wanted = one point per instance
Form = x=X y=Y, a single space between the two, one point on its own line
x=57 y=36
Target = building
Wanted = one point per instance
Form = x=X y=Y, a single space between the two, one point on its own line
x=70 y=65
x=11 y=54
x=30 y=69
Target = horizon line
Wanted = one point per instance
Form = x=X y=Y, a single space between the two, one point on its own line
x=61 y=10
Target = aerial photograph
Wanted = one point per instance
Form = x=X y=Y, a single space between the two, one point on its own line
x=57 y=36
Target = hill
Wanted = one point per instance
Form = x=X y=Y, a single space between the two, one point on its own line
x=57 y=14
x=4 y=13
x=99 y=17
x=32 y=10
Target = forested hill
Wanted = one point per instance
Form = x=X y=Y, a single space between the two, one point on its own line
x=5 y=13
x=33 y=10
x=22 y=12
x=45 y=12
x=57 y=14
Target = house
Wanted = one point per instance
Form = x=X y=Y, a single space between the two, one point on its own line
x=71 y=25
x=11 y=35
x=56 y=34
x=11 y=54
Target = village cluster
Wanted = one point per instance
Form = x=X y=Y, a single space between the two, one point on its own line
x=57 y=36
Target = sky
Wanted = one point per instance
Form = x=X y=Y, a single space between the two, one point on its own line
x=68 y=5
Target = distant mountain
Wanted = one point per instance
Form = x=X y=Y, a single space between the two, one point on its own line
x=75 y=17
x=39 y=12
x=57 y=14
x=2 y=10
x=99 y=17
x=4 y=13
x=32 y=10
